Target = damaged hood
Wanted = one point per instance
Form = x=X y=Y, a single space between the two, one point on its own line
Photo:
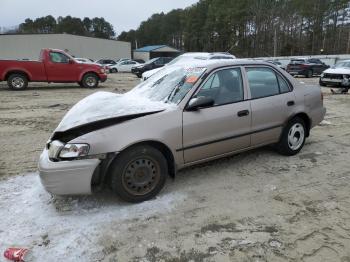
x=340 y=70
x=106 y=105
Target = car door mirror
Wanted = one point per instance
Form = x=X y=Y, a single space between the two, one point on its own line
x=199 y=102
x=70 y=61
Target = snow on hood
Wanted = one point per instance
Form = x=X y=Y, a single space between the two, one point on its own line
x=337 y=71
x=104 y=105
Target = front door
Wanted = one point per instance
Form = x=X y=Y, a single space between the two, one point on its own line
x=59 y=68
x=223 y=127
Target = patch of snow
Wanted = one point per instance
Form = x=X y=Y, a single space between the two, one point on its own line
x=72 y=224
x=325 y=123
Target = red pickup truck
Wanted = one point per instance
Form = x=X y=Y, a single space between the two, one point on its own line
x=53 y=66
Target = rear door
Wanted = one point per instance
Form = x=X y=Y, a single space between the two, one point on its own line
x=223 y=127
x=59 y=69
x=272 y=103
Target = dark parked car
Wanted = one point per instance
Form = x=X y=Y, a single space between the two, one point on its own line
x=141 y=61
x=106 y=62
x=306 y=67
x=151 y=64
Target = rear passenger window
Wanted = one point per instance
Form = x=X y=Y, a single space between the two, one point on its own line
x=284 y=87
x=262 y=82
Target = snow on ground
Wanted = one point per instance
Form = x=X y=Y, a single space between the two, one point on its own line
x=32 y=218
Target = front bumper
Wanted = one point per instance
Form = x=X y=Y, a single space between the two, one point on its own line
x=336 y=81
x=295 y=72
x=103 y=77
x=66 y=177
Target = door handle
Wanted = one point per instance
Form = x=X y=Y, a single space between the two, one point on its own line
x=290 y=103
x=243 y=113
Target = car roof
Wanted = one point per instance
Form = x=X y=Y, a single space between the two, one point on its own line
x=212 y=64
x=206 y=55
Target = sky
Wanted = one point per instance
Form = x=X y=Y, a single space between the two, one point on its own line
x=122 y=14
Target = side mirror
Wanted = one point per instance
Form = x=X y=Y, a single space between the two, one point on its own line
x=70 y=61
x=199 y=102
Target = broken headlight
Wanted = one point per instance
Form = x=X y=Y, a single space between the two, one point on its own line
x=74 y=150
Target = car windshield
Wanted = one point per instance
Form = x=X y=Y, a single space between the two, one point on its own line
x=342 y=65
x=151 y=61
x=169 y=85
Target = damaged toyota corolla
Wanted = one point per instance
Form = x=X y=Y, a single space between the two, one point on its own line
x=180 y=116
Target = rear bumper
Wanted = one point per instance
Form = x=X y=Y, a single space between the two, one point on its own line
x=297 y=71
x=318 y=116
x=66 y=177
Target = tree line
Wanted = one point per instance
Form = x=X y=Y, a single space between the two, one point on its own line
x=95 y=27
x=251 y=28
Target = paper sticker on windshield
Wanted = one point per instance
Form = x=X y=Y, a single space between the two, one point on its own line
x=191 y=79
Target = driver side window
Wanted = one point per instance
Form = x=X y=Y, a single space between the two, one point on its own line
x=56 y=57
x=224 y=87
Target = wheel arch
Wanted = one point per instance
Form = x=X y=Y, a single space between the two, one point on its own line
x=88 y=72
x=163 y=148
x=16 y=71
x=306 y=119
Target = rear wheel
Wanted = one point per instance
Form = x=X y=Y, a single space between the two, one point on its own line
x=90 y=81
x=17 y=82
x=139 y=173
x=293 y=137
x=309 y=73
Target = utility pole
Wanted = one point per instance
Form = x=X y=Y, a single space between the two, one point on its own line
x=348 y=47
x=275 y=44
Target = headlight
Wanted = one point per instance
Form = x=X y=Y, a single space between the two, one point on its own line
x=102 y=70
x=74 y=150
x=322 y=75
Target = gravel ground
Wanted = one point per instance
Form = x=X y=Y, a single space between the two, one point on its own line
x=255 y=206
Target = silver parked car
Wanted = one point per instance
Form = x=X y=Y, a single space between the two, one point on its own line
x=181 y=116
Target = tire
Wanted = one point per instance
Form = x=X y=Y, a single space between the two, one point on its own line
x=309 y=73
x=139 y=173
x=90 y=80
x=114 y=70
x=291 y=143
x=322 y=83
x=17 y=82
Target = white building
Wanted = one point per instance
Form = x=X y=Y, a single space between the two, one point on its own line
x=28 y=46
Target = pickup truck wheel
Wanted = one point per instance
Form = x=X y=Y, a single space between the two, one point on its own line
x=309 y=73
x=139 y=173
x=17 y=82
x=293 y=137
x=90 y=81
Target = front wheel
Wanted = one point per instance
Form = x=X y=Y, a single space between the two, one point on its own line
x=90 y=81
x=17 y=82
x=293 y=137
x=139 y=173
